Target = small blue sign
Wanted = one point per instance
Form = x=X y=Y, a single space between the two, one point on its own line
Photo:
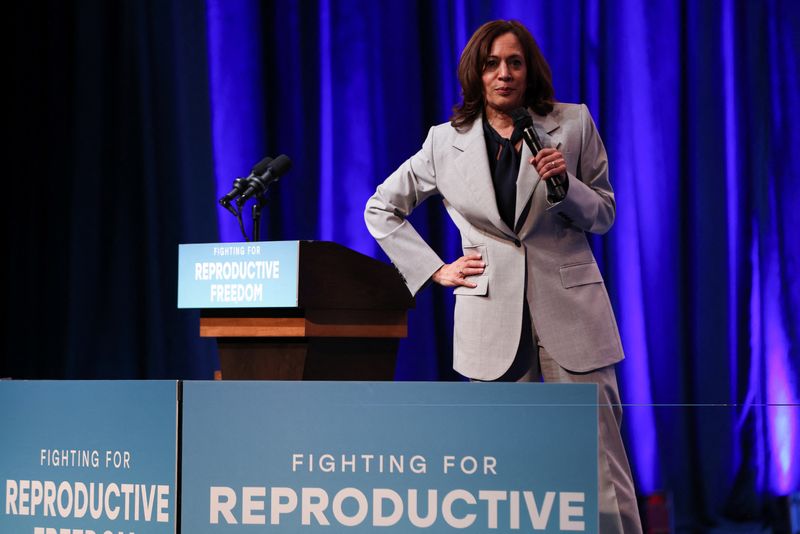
x=406 y=457
x=88 y=457
x=238 y=275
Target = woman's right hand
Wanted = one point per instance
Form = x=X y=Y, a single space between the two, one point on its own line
x=456 y=273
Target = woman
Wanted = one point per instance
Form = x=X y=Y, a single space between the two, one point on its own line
x=530 y=299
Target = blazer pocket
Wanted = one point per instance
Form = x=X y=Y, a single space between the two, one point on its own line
x=580 y=274
x=482 y=280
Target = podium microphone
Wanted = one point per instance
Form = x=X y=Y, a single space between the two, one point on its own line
x=240 y=184
x=257 y=185
x=521 y=117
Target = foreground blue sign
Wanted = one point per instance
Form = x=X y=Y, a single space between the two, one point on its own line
x=406 y=457
x=88 y=457
x=238 y=275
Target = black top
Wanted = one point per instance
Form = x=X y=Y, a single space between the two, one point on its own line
x=505 y=169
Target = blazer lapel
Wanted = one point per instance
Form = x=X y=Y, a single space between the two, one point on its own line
x=548 y=129
x=528 y=178
x=473 y=165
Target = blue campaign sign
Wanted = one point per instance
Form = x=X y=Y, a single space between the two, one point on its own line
x=88 y=457
x=238 y=275
x=406 y=457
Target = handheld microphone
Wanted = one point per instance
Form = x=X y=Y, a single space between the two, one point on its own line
x=241 y=184
x=257 y=185
x=521 y=117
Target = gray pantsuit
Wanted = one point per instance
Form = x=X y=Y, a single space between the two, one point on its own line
x=546 y=262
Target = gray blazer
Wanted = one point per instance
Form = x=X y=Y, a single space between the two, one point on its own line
x=549 y=259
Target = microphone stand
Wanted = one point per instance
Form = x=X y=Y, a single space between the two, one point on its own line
x=260 y=201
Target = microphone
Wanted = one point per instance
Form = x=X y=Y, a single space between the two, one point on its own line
x=522 y=118
x=257 y=185
x=240 y=184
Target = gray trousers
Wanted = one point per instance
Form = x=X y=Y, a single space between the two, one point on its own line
x=619 y=513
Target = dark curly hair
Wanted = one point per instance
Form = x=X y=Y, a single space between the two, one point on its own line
x=539 y=94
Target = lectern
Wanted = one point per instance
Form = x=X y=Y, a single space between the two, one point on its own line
x=319 y=312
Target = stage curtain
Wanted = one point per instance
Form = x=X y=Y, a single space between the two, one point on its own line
x=111 y=169
x=694 y=102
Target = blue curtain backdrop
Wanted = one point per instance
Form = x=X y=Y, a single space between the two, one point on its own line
x=111 y=166
x=131 y=118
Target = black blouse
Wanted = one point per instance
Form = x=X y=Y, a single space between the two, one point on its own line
x=504 y=163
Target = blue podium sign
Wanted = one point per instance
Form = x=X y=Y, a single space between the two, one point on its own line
x=238 y=275
x=88 y=457
x=406 y=457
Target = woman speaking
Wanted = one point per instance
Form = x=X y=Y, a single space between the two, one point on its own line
x=530 y=300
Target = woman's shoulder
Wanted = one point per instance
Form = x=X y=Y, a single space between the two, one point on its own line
x=447 y=132
x=443 y=129
x=564 y=111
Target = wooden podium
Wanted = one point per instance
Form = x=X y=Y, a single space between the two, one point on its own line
x=351 y=312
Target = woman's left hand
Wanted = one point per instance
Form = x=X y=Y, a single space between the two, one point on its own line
x=549 y=162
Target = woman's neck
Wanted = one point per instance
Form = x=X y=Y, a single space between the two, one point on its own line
x=500 y=121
